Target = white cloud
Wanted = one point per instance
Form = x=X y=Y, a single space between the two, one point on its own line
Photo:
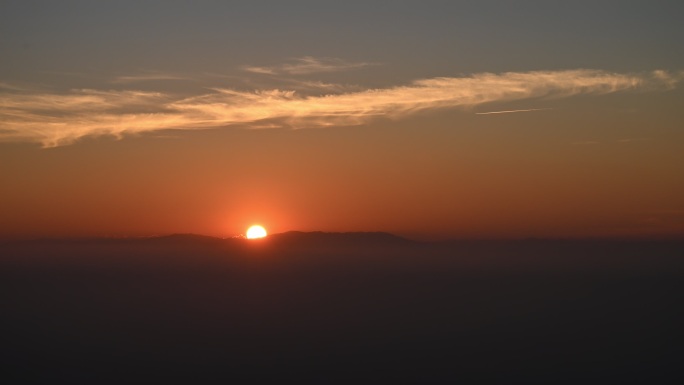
x=58 y=119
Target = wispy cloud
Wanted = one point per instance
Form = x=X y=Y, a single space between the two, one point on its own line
x=260 y=70
x=13 y=87
x=308 y=65
x=318 y=86
x=510 y=111
x=149 y=76
x=586 y=143
x=57 y=119
x=621 y=141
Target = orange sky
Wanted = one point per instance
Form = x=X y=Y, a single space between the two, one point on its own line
x=432 y=123
x=574 y=170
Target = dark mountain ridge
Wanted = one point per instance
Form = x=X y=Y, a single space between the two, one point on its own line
x=319 y=238
x=289 y=236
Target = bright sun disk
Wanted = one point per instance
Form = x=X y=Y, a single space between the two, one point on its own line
x=256 y=231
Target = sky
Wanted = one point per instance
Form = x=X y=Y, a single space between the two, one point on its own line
x=428 y=119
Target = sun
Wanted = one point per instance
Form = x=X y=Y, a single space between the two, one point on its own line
x=256 y=231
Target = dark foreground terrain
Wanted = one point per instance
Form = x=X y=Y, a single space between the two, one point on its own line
x=341 y=308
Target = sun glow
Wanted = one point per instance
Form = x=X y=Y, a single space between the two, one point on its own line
x=256 y=231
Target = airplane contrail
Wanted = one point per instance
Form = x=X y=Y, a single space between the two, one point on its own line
x=510 y=111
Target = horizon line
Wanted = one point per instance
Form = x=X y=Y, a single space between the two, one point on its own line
x=671 y=237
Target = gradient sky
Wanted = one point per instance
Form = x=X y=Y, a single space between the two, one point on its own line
x=430 y=119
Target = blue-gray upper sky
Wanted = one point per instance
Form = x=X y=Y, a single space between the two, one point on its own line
x=414 y=39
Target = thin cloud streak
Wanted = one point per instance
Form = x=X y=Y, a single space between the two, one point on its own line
x=511 y=111
x=585 y=143
x=13 y=87
x=308 y=65
x=60 y=119
x=148 y=77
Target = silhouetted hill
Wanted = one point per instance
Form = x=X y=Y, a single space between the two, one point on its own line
x=182 y=238
x=337 y=242
x=319 y=237
x=285 y=244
